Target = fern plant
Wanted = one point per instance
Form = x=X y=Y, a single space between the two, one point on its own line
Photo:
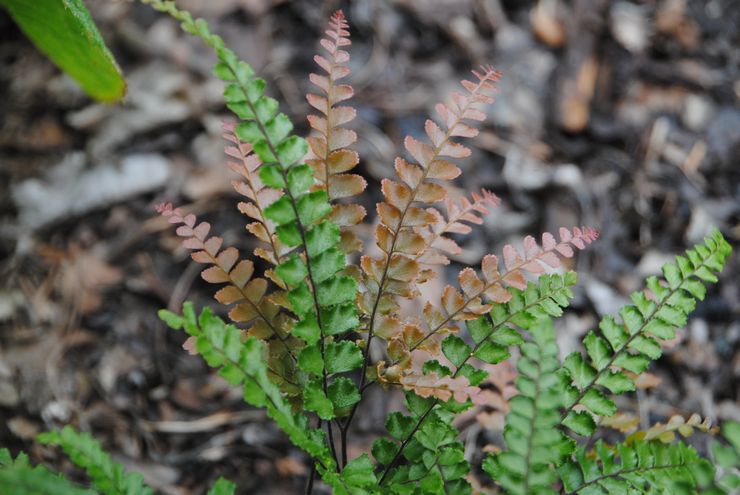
x=312 y=334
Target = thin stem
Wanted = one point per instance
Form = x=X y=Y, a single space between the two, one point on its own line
x=309 y=482
x=405 y=442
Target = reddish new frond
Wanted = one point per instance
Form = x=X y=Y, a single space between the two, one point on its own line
x=247 y=165
x=406 y=229
x=469 y=302
x=457 y=214
x=331 y=160
x=245 y=292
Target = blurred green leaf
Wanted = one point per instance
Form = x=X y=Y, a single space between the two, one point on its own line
x=65 y=32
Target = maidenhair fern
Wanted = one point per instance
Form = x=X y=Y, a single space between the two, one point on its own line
x=315 y=331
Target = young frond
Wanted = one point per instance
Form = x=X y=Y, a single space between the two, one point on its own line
x=244 y=291
x=330 y=157
x=260 y=197
x=478 y=296
x=108 y=477
x=632 y=344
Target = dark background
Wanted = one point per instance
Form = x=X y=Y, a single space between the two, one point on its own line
x=619 y=115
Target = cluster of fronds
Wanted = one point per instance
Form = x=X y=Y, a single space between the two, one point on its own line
x=303 y=329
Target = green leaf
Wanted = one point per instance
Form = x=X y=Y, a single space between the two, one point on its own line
x=249 y=131
x=474 y=376
x=417 y=405
x=222 y=487
x=339 y=319
x=343 y=356
x=301 y=300
x=292 y=271
x=327 y=264
x=384 y=450
x=289 y=234
x=272 y=176
x=580 y=422
x=581 y=372
x=400 y=426
x=322 y=237
x=278 y=128
x=343 y=393
x=456 y=350
x=66 y=33
x=434 y=366
x=263 y=149
x=359 y=472
x=617 y=382
x=337 y=290
x=313 y=206
x=255 y=88
x=265 y=109
x=172 y=320
x=491 y=353
x=597 y=403
x=291 y=150
x=309 y=359
x=315 y=400
x=85 y=452
x=480 y=328
x=307 y=329
x=281 y=211
x=300 y=179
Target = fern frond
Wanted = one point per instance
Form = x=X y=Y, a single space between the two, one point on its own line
x=398 y=233
x=18 y=476
x=243 y=363
x=666 y=433
x=425 y=437
x=459 y=215
x=84 y=451
x=727 y=460
x=492 y=335
x=639 y=467
x=331 y=158
x=244 y=292
x=630 y=346
x=404 y=337
x=259 y=196
x=222 y=487
x=533 y=443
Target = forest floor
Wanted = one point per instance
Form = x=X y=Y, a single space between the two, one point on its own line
x=619 y=115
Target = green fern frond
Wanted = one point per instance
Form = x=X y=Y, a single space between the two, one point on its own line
x=222 y=487
x=533 y=443
x=727 y=460
x=17 y=476
x=635 y=468
x=493 y=334
x=634 y=343
x=108 y=477
x=243 y=363
x=319 y=292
